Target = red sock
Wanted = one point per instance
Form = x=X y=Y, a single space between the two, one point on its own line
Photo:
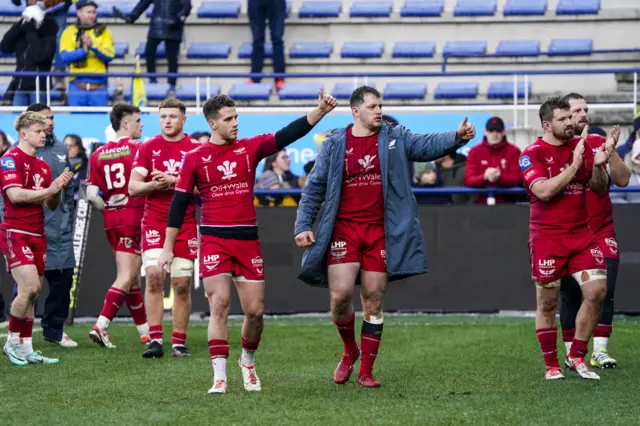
x=112 y=302
x=178 y=339
x=347 y=333
x=135 y=303
x=16 y=324
x=27 y=328
x=370 y=337
x=567 y=335
x=218 y=348
x=548 y=338
x=579 y=348
x=250 y=346
x=155 y=333
x=602 y=331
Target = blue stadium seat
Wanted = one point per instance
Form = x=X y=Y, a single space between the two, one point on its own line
x=7 y=55
x=504 y=90
x=3 y=88
x=208 y=50
x=250 y=92
x=219 y=9
x=156 y=91
x=518 y=48
x=459 y=49
x=244 y=52
x=578 y=7
x=289 y=5
x=422 y=8
x=187 y=91
x=570 y=46
x=371 y=9
x=525 y=8
x=414 y=49
x=105 y=9
x=405 y=91
x=475 y=8
x=311 y=49
x=122 y=49
x=362 y=49
x=320 y=9
x=343 y=90
x=161 y=53
x=9 y=9
x=300 y=90
x=456 y=91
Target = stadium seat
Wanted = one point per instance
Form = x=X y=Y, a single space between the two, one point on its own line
x=518 y=48
x=459 y=49
x=219 y=9
x=525 y=8
x=343 y=90
x=207 y=50
x=9 y=9
x=187 y=91
x=161 y=53
x=504 y=90
x=362 y=49
x=578 y=7
x=300 y=90
x=156 y=91
x=475 y=8
x=106 y=9
x=250 y=92
x=7 y=55
x=320 y=9
x=570 y=46
x=371 y=9
x=244 y=52
x=456 y=91
x=311 y=49
x=422 y=8
x=405 y=91
x=3 y=88
x=289 y=5
x=414 y=49
x=122 y=49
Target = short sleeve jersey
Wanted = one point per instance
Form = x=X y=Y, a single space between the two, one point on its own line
x=21 y=170
x=159 y=154
x=225 y=176
x=566 y=215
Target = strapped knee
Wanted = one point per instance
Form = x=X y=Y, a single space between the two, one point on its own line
x=181 y=267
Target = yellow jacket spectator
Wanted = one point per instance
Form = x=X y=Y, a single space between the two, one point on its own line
x=87 y=47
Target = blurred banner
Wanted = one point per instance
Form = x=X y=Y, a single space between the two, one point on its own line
x=91 y=127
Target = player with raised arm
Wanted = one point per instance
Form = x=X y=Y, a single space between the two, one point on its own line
x=557 y=170
x=369 y=230
x=26 y=184
x=109 y=171
x=155 y=173
x=224 y=170
x=601 y=224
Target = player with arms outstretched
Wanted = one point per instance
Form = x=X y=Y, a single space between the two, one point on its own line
x=154 y=175
x=109 y=171
x=224 y=170
x=26 y=184
x=557 y=170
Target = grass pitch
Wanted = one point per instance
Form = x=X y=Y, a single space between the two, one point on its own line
x=434 y=370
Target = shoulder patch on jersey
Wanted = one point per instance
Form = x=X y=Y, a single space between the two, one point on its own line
x=525 y=162
x=8 y=164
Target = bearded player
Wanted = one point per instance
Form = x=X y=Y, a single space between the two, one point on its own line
x=26 y=184
x=154 y=175
x=369 y=229
x=224 y=171
x=601 y=224
x=557 y=170
x=109 y=171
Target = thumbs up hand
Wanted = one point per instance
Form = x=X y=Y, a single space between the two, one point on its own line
x=466 y=131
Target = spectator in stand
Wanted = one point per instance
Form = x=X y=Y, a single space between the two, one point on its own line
x=632 y=160
x=493 y=163
x=78 y=160
x=307 y=169
x=261 y=11
x=426 y=176
x=202 y=137
x=33 y=40
x=167 y=25
x=277 y=175
x=450 y=169
x=87 y=46
x=5 y=144
x=626 y=148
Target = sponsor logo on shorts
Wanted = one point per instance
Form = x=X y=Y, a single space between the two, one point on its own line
x=525 y=162
x=152 y=236
x=338 y=248
x=258 y=264
x=597 y=255
x=128 y=242
x=612 y=244
x=211 y=261
x=26 y=251
x=193 y=245
x=383 y=254
x=547 y=267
